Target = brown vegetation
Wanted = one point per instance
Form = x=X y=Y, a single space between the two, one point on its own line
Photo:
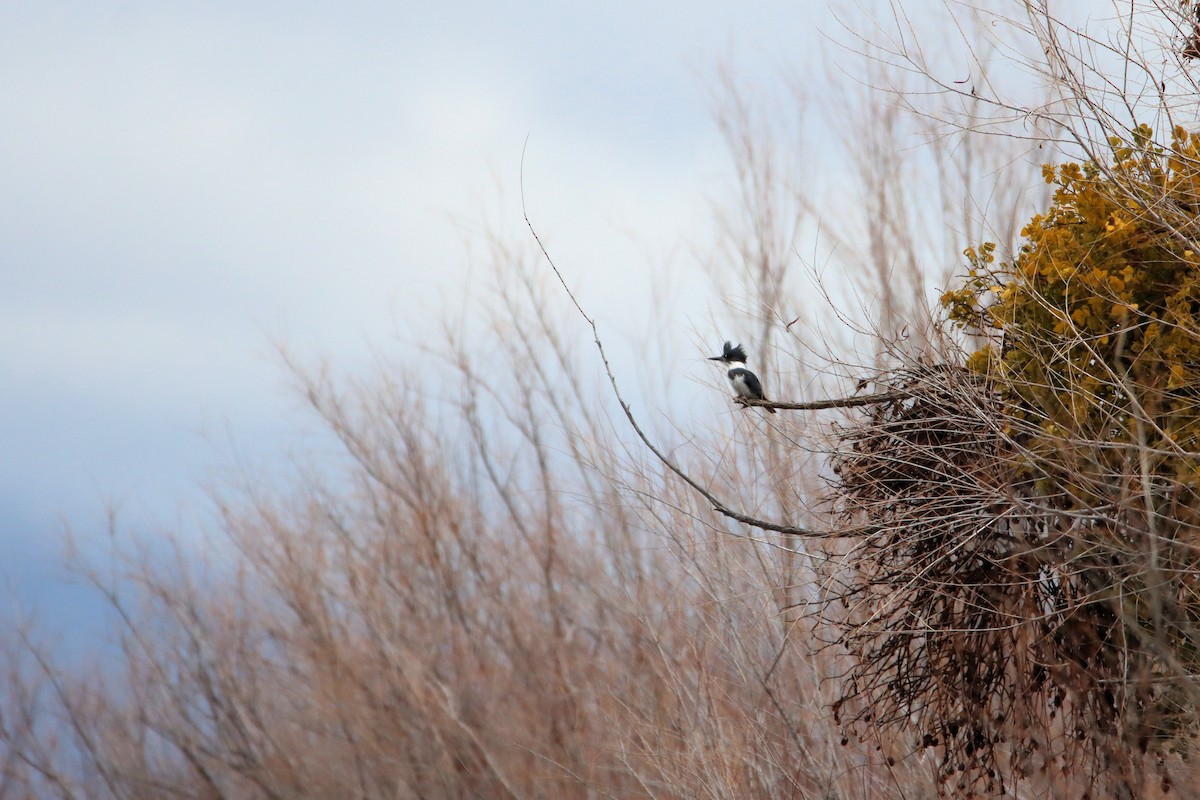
x=528 y=614
x=497 y=591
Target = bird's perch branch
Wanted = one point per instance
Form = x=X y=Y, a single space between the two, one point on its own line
x=833 y=402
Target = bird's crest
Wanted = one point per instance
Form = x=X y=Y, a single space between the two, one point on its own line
x=733 y=352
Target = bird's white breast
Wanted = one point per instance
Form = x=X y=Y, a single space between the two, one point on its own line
x=738 y=379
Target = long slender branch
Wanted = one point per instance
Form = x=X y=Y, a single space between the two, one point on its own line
x=718 y=505
x=833 y=402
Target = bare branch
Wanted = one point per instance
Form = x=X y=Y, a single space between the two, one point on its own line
x=718 y=505
x=889 y=396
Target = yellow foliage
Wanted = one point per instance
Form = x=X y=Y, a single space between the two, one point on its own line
x=1104 y=293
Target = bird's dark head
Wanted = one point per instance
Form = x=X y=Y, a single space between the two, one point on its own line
x=731 y=354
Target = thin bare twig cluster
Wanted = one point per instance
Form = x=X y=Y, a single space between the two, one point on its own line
x=498 y=600
x=1013 y=631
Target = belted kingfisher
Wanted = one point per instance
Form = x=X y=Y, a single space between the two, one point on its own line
x=745 y=382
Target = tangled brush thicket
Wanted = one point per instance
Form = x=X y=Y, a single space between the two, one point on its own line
x=999 y=626
x=1028 y=599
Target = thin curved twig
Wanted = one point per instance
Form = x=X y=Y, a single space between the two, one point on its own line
x=718 y=505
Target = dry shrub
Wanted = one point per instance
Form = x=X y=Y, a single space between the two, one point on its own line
x=493 y=600
x=1024 y=605
x=1015 y=633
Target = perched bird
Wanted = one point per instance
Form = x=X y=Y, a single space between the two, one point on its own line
x=745 y=382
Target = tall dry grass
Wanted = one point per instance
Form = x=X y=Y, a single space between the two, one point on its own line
x=488 y=600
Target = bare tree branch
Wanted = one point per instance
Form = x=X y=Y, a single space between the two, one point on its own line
x=718 y=505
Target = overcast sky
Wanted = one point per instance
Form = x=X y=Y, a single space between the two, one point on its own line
x=184 y=183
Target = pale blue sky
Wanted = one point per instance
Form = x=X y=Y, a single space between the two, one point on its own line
x=183 y=183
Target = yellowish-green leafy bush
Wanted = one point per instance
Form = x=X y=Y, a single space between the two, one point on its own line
x=1092 y=328
x=1029 y=598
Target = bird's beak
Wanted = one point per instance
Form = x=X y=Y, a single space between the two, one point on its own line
x=716 y=358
